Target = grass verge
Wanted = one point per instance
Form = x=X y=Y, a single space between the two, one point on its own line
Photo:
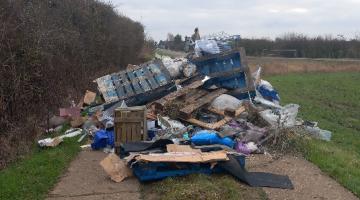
x=332 y=99
x=34 y=175
x=200 y=186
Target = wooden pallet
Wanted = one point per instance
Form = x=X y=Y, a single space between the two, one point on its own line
x=130 y=125
x=196 y=101
x=134 y=81
x=218 y=124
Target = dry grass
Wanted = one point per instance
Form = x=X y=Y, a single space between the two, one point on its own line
x=272 y=65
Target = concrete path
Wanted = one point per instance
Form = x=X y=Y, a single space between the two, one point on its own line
x=308 y=180
x=85 y=179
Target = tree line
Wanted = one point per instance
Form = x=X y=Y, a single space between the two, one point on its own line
x=288 y=45
x=305 y=46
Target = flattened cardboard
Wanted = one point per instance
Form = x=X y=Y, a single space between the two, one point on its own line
x=116 y=168
x=188 y=157
x=181 y=148
x=89 y=97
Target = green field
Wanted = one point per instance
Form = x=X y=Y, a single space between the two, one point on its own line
x=332 y=99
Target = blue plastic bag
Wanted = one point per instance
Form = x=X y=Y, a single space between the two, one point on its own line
x=102 y=139
x=206 y=137
x=267 y=91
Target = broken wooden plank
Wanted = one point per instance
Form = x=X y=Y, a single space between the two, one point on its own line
x=232 y=113
x=187 y=110
x=211 y=126
x=195 y=95
x=160 y=103
x=188 y=157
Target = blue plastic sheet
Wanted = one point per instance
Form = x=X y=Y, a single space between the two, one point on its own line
x=206 y=137
x=102 y=139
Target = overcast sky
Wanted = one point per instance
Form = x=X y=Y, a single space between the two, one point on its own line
x=249 y=18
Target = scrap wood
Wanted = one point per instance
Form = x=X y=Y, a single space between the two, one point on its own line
x=181 y=148
x=231 y=113
x=235 y=113
x=187 y=110
x=188 y=157
x=211 y=126
x=160 y=103
x=116 y=168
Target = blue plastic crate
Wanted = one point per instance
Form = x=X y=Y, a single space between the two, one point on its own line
x=227 y=70
x=225 y=62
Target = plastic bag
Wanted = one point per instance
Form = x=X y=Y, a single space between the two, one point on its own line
x=284 y=117
x=265 y=102
x=268 y=92
x=319 y=133
x=103 y=139
x=206 y=46
x=189 y=69
x=226 y=101
x=264 y=89
x=174 y=66
x=206 y=137
x=167 y=123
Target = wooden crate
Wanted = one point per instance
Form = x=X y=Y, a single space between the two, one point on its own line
x=130 y=125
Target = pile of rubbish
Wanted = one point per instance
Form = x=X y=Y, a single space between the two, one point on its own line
x=173 y=117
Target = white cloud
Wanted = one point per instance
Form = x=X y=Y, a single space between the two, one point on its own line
x=298 y=10
x=249 y=18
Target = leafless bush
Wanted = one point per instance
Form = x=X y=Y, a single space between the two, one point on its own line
x=50 y=51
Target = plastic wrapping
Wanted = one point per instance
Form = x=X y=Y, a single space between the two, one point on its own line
x=174 y=66
x=226 y=101
x=284 y=117
x=319 y=133
x=189 y=69
x=206 y=46
x=206 y=137
x=264 y=89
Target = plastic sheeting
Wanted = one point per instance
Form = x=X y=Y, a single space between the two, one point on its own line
x=206 y=137
x=226 y=101
x=102 y=139
x=284 y=117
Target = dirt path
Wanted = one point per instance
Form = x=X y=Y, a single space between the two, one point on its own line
x=308 y=180
x=85 y=179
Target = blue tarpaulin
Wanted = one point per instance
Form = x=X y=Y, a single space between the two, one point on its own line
x=206 y=137
x=102 y=139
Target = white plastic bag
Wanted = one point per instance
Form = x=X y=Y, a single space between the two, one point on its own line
x=174 y=66
x=189 y=69
x=226 y=101
x=167 y=123
x=283 y=118
x=208 y=46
